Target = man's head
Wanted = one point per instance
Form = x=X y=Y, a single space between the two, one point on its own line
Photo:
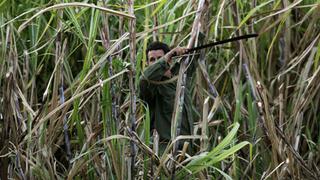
x=155 y=51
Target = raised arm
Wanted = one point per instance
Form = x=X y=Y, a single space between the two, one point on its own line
x=152 y=73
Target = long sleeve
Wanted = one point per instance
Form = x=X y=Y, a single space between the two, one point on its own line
x=154 y=72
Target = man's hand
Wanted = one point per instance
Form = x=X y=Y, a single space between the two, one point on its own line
x=168 y=74
x=175 y=52
x=179 y=51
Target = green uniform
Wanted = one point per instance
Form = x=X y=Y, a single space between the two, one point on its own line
x=160 y=98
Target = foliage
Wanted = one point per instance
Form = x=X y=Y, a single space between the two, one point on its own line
x=69 y=74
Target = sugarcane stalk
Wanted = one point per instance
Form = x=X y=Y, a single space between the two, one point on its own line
x=65 y=120
x=131 y=73
x=105 y=36
x=59 y=77
x=184 y=150
x=182 y=72
x=155 y=149
x=155 y=24
x=204 y=126
x=179 y=96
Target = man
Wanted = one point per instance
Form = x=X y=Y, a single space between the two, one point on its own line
x=159 y=92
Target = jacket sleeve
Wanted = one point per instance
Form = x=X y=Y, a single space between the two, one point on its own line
x=152 y=73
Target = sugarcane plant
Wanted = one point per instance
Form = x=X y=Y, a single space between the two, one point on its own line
x=69 y=89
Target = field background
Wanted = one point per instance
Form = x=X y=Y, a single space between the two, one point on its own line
x=69 y=76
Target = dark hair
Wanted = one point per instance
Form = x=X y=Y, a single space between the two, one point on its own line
x=158 y=46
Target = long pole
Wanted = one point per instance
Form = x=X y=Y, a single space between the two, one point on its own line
x=237 y=38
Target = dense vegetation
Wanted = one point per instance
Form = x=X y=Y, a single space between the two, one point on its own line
x=69 y=79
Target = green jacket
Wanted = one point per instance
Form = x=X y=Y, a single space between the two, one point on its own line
x=161 y=96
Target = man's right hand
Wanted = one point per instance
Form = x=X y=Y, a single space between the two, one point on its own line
x=177 y=51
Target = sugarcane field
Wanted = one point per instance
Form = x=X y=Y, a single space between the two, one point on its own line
x=160 y=89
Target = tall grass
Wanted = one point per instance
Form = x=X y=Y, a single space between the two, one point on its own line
x=69 y=76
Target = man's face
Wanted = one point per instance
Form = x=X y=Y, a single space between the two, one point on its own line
x=154 y=55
